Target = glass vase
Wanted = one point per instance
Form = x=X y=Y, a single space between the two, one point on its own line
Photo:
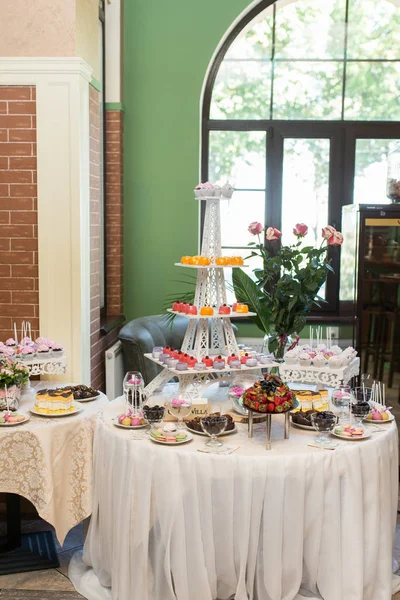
x=280 y=349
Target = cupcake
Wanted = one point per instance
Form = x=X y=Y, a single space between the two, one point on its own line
x=251 y=362
x=336 y=350
x=291 y=357
x=227 y=190
x=304 y=359
x=57 y=350
x=199 y=366
x=350 y=352
x=321 y=348
x=43 y=350
x=335 y=362
x=319 y=361
x=27 y=352
x=11 y=343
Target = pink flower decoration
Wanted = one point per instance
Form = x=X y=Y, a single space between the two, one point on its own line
x=273 y=234
x=327 y=232
x=336 y=239
x=333 y=237
x=255 y=228
x=177 y=401
x=300 y=229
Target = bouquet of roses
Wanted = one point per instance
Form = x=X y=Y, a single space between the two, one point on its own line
x=285 y=289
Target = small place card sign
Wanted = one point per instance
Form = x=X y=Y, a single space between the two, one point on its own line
x=200 y=408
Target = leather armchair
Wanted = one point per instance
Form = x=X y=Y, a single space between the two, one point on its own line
x=141 y=335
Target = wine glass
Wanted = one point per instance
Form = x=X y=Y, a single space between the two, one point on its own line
x=180 y=407
x=214 y=425
x=323 y=422
x=133 y=386
x=341 y=399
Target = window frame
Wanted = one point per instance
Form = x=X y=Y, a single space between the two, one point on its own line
x=343 y=135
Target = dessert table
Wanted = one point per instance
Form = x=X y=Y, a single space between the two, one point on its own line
x=49 y=462
x=173 y=523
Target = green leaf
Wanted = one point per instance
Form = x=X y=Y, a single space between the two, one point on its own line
x=246 y=290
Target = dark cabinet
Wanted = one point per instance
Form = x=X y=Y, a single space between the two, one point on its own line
x=370 y=288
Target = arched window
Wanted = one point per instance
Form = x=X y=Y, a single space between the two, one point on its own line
x=301 y=108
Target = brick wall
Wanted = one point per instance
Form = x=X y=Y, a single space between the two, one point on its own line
x=99 y=342
x=114 y=183
x=19 y=283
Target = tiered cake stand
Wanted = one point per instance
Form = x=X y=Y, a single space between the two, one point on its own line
x=207 y=336
x=54 y=365
x=321 y=377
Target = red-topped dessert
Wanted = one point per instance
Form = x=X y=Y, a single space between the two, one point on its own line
x=192 y=310
x=232 y=357
x=244 y=358
x=207 y=361
x=224 y=310
x=219 y=358
x=270 y=395
x=176 y=305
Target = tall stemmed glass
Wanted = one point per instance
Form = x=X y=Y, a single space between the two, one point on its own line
x=341 y=399
x=180 y=407
x=133 y=386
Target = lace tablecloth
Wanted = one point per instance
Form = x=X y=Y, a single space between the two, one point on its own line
x=172 y=523
x=49 y=462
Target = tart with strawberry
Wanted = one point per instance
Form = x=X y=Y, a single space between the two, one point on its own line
x=270 y=395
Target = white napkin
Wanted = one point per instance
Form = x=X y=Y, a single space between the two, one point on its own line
x=224 y=450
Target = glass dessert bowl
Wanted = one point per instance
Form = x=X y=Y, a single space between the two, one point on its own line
x=323 y=422
x=214 y=425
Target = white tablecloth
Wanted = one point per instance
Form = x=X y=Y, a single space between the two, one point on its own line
x=171 y=523
x=48 y=460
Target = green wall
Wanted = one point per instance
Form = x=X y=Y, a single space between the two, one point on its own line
x=167 y=47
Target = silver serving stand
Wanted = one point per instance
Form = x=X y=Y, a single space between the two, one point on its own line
x=269 y=423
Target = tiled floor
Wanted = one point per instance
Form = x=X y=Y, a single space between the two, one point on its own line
x=51 y=584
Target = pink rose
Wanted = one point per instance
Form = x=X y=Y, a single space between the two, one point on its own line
x=255 y=228
x=177 y=402
x=327 y=232
x=333 y=237
x=300 y=229
x=273 y=234
x=336 y=239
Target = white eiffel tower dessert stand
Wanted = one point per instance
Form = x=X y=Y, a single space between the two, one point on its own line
x=207 y=336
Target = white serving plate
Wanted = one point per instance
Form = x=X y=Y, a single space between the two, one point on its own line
x=89 y=399
x=232 y=315
x=212 y=266
x=78 y=409
x=115 y=421
x=188 y=439
x=356 y=438
x=234 y=430
x=27 y=417
x=300 y=426
x=373 y=422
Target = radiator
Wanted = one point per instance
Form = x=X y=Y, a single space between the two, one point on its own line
x=114 y=371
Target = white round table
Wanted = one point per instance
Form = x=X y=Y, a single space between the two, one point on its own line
x=172 y=523
x=49 y=462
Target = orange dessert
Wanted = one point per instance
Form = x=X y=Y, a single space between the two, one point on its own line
x=207 y=311
x=204 y=261
x=242 y=308
x=185 y=260
x=222 y=261
x=236 y=260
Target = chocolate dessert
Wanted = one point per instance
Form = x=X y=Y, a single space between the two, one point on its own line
x=196 y=425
